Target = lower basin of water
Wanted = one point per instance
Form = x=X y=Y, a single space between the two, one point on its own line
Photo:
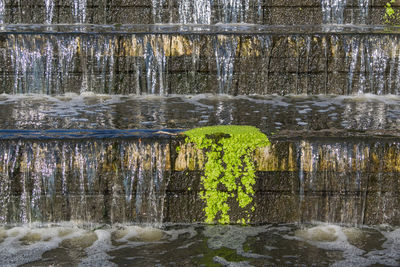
x=196 y=245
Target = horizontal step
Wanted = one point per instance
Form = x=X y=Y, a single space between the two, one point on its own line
x=144 y=179
x=274 y=12
x=173 y=59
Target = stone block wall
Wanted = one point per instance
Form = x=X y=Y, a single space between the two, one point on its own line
x=146 y=180
x=265 y=62
x=268 y=12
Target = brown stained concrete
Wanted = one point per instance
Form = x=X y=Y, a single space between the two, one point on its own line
x=312 y=157
x=280 y=63
x=342 y=180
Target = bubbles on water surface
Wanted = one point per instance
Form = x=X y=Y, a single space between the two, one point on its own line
x=270 y=113
x=199 y=244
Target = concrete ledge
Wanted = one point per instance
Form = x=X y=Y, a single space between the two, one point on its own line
x=270 y=61
x=138 y=179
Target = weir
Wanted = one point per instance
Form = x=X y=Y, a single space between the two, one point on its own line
x=135 y=179
x=96 y=96
x=71 y=176
x=190 y=60
x=180 y=64
x=270 y=12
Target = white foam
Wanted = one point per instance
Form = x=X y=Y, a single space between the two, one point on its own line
x=333 y=237
x=232 y=237
x=25 y=244
x=138 y=234
x=96 y=254
x=224 y=262
x=174 y=234
x=21 y=245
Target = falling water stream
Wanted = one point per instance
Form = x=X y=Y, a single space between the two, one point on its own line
x=345 y=61
x=332 y=11
x=2 y=11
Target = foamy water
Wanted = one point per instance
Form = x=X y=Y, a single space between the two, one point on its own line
x=102 y=245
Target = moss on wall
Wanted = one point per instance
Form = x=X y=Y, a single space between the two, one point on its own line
x=229 y=171
x=392 y=15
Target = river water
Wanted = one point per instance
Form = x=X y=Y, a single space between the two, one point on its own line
x=199 y=245
x=272 y=114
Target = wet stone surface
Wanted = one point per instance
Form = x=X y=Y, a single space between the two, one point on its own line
x=219 y=59
x=324 y=115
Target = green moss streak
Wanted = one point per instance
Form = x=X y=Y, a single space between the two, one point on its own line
x=229 y=165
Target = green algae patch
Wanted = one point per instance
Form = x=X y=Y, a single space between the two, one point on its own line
x=392 y=15
x=229 y=171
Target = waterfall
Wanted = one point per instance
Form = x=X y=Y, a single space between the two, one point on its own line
x=234 y=11
x=28 y=63
x=154 y=63
x=157 y=10
x=364 y=11
x=197 y=12
x=2 y=11
x=49 y=4
x=105 y=59
x=225 y=54
x=377 y=61
x=226 y=11
x=151 y=186
x=369 y=60
x=328 y=168
x=333 y=11
x=59 y=180
x=79 y=11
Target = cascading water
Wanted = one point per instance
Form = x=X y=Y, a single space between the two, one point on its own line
x=225 y=54
x=155 y=64
x=28 y=66
x=79 y=11
x=333 y=11
x=332 y=63
x=369 y=61
x=364 y=11
x=329 y=168
x=49 y=4
x=2 y=11
x=233 y=11
x=197 y=12
x=157 y=9
x=60 y=180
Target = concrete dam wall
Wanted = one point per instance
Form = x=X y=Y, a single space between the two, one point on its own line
x=354 y=181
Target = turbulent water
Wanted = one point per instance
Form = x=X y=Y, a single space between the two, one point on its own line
x=194 y=245
x=362 y=114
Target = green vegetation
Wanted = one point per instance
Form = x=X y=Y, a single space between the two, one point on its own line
x=229 y=172
x=392 y=16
